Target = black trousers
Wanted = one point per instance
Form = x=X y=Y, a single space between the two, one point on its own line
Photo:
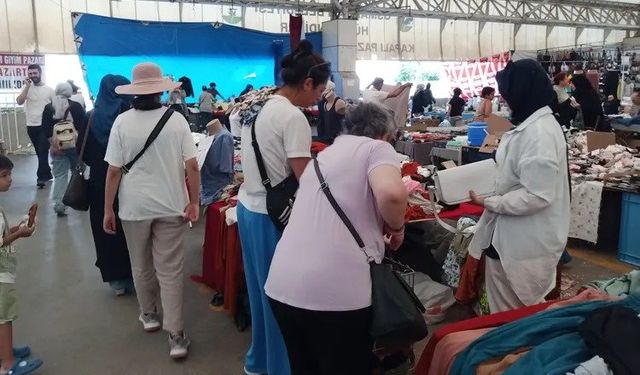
x=41 y=144
x=326 y=342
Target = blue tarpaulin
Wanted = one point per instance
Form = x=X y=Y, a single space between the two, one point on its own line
x=205 y=52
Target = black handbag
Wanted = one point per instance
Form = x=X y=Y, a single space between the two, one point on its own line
x=77 y=194
x=280 y=198
x=396 y=310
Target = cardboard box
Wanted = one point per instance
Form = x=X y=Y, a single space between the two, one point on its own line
x=599 y=140
x=496 y=127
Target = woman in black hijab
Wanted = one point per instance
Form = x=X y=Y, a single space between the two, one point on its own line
x=589 y=101
x=523 y=230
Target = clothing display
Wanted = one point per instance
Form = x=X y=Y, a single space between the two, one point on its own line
x=613 y=333
x=628 y=284
x=374 y=95
x=449 y=347
x=594 y=366
x=216 y=171
x=457 y=253
x=552 y=335
x=586 y=198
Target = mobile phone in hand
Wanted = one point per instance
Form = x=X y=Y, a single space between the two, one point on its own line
x=32 y=215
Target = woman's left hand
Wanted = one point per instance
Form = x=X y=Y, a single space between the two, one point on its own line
x=475 y=199
x=394 y=238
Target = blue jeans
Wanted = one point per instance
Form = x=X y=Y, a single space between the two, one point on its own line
x=62 y=165
x=259 y=237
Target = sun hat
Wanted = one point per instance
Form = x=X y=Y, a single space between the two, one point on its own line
x=147 y=79
x=215 y=121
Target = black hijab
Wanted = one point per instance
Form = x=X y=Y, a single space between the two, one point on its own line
x=526 y=87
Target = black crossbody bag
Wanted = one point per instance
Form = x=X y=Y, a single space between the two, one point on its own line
x=396 y=310
x=152 y=137
x=280 y=198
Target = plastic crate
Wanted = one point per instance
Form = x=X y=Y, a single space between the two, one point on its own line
x=629 y=248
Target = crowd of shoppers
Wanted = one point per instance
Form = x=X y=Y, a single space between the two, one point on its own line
x=310 y=293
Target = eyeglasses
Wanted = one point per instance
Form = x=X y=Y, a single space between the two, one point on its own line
x=326 y=63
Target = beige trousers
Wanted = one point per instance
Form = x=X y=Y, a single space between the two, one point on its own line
x=157 y=262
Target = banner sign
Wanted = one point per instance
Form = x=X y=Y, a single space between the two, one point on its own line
x=13 y=69
x=471 y=76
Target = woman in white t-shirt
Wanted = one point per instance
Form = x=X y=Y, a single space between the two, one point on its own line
x=319 y=282
x=284 y=137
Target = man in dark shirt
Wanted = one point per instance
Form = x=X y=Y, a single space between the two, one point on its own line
x=214 y=91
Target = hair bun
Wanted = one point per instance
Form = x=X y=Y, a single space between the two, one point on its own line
x=305 y=47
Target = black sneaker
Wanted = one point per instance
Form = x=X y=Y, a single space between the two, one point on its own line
x=41 y=184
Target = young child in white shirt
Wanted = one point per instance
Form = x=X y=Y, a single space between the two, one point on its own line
x=14 y=360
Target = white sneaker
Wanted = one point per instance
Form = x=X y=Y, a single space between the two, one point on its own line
x=179 y=345
x=150 y=322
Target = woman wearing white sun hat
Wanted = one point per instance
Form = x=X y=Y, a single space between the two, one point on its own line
x=154 y=203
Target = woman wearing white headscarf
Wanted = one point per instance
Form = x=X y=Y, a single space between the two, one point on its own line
x=61 y=108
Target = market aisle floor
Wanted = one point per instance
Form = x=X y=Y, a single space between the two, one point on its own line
x=73 y=321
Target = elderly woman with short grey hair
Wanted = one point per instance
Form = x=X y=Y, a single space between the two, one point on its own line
x=319 y=283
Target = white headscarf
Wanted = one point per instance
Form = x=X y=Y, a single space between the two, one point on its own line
x=60 y=102
x=330 y=87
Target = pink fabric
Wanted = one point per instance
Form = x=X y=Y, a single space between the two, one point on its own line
x=449 y=347
x=412 y=185
x=584 y=296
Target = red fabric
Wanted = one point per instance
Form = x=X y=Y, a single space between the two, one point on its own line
x=471 y=277
x=295 y=30
x=464 y=209
x=317 y=147
x=234 y=281
x=493 y=320
x=409 y=169
x=213 y=255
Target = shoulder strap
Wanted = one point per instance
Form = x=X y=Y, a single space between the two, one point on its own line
x=86 y=135
x=152 y=137
x=66 y=113
x=336 y=206
x=256 y=149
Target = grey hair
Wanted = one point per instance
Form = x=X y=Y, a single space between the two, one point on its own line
x=369 y=119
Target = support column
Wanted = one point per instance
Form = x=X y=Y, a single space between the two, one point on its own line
x=339 y=47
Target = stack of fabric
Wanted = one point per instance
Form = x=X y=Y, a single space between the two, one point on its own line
x=591 y=332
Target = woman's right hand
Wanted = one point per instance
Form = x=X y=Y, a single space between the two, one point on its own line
x=109 y=223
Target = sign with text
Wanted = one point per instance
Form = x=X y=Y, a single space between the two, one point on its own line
x=13 y=69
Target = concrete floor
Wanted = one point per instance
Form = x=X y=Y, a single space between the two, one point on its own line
x=76 y=325
x=73 y=321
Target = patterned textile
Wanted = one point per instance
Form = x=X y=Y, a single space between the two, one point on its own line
x=457 y=252
x=585 y=211
x=252 y=104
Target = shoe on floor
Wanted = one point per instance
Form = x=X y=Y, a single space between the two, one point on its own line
x=24 y=367
x=150 y=322
x=179 y=346
x=21 y=352
x=41 y=184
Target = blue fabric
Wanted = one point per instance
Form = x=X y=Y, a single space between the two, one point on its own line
x=259 y=237
x=230 y=56
x=217 y=170
x=108 y=106
x=557 y=347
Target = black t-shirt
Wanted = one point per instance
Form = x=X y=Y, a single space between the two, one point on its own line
x=457 y=106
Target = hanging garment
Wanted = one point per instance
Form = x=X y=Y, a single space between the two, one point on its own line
x=457 y=252
x=585 y=210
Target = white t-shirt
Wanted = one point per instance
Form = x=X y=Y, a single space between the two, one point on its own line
x=282 y=133
x=155 y=186
x=317 y=264
x=37 y=98
x=374 y=95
